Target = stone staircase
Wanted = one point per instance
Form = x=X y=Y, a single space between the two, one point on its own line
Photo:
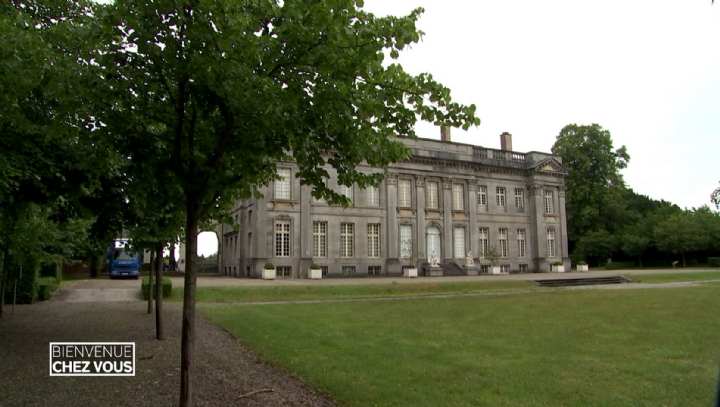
x=451 y=268
x=572 y=282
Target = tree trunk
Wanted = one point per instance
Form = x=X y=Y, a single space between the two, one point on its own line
x=3 y=273
x=640 y=261
x=188 y=325
x=683 y=259
x=159 y=335
x=150 y=283
x=93 y=266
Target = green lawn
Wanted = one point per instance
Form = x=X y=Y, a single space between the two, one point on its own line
x=547 y=348
x=324 y=292
x=681 y=276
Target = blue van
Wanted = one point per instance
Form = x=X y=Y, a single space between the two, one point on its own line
x=122 y=261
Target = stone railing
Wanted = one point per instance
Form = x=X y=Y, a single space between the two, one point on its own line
x=500 y=156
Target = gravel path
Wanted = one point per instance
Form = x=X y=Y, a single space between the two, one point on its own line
x=224 y=370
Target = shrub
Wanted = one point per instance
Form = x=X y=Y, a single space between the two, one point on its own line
x=582 y=263
x=51 y=269
x=714 y=261
x=46 y=287
x=269 y=266
x=315 y=266
x=27 y=283
x=557 y=263
x=166 y=287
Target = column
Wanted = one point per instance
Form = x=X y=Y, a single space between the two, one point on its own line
x=392 y=224
x=537 y=231
x=420 y=219
x=304 y=234
x=563 y=223
x=447 y=219
x=471 y=210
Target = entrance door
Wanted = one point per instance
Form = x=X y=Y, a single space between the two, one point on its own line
x=433 y=243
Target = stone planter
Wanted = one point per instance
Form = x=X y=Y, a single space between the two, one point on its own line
x=558 y=269
x=583 y=267
x=410 y=272
x=495 y=270
x=268 y=274
x=315 y=274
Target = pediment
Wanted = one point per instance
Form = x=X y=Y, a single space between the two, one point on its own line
x=549 y=165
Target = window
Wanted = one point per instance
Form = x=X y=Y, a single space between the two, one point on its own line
x=485 y=268
x=283 y=271
x=482 y=196
x=373 y=196
x=320 y=242
x=282 y=185
x=459 y=242
x=374 y=270
x=505 y=268
x=520 y=198
x=484 y=236
x=500 y=196
x=347 y=192
x=282 y=239
x=503 y=241
x=404 y=193
x=324 y=270
x=522 y=243
x=347 y=239
x=523 y=268
x=406 y=241
x=458 y=197
x=432 y=195
x=549 y=204
x=373 y=239
x=551 y=242
x=348 y=270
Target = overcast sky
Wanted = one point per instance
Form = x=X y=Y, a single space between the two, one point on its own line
x=648 y=71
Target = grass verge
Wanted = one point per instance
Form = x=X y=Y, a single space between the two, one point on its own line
x=676 y=277
x=327 y=292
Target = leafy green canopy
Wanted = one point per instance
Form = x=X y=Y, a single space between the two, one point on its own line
x=222 y=90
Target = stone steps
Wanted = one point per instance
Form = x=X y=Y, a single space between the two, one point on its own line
x=571 y=282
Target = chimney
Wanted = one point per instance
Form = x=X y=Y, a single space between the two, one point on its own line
x=444 y=133
x=506 y=141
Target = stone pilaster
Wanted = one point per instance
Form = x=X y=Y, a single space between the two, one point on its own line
x=392 y=223
x=471 y=210
x=447 y=219
x=420 y=220
x=537 y=222
x=305 y=232
x=563 y=224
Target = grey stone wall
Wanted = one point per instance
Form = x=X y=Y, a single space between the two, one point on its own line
x=249 y=243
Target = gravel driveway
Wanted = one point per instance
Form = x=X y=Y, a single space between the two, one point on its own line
x=224 y=369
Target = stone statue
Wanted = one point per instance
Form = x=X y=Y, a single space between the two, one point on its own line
x=433 y=260
x=469 y=259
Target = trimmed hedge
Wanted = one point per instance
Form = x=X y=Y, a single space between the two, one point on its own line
x=714 y=261
x=166 y=287
x=47 y=287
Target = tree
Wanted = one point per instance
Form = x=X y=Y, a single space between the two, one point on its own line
x=226 y=89
x=50 y=160
x=715 y=197
x=594 y=183
x=598 y=245
x=679 y=234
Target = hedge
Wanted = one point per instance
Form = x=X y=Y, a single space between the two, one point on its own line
x=714 y=261
x=46 y=287
x=166 y=287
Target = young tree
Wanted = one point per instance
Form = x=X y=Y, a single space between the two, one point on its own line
x=226 y=89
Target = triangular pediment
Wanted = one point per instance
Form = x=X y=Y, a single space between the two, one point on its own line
x=549 y=165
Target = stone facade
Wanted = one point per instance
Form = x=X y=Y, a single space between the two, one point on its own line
x=448 y=199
